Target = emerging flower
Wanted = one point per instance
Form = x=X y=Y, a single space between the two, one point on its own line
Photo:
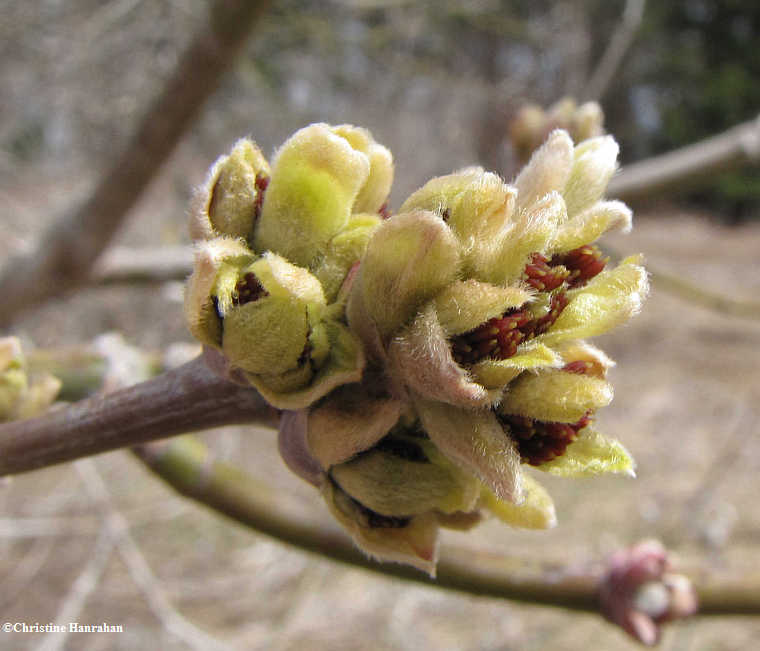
x=487 y=291
x=426 y=376
x=20 y=396
x=275 y=246
x=532 y=124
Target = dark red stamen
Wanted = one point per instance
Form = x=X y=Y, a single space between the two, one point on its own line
x=557 y=303
x=540 y=275
x=582 y=263
x=384 y=211
x=248 y=289
x=539 y=441
x=498 y=338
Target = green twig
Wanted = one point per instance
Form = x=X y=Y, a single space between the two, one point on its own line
x=187 y=465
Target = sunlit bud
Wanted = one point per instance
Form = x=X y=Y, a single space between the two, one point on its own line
x=374 y=193
x=229 y=202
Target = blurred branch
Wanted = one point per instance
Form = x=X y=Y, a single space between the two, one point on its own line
x=186 y=464
x=678 y=170
x=695 y=295
x=151 y=265
x=186 y=399
x=67 y=251
x=619 y=44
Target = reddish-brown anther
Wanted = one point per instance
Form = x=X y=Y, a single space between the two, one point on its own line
x=384 y=211
x=261 y=183
x=542 y=275
x=582 y=264
x=248 y=289
x=539 y=441
x=540 y=325
x=497 y=338
x=579 y=367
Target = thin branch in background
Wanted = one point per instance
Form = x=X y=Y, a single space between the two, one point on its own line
x=619 y=44
x=139 y=570
x=67 y=251
x=738 y=421
x=85 y=525
x=679 y=170
x=26 y=570
x=186 y=399
x=695 y=295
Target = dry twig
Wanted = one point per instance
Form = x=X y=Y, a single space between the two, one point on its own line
x=84 y=585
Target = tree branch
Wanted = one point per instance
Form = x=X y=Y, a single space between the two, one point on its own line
x=187 y=399
x=621 y=40
x=67 y=251
x=678 y=170
x=186 y=465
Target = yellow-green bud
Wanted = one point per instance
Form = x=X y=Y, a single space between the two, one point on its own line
x=268 y=314
x=229 y=202
x=319 y=179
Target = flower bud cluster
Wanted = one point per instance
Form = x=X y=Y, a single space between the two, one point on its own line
x=425 y=358
x=275 y=245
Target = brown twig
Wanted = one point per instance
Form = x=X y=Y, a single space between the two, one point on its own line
x=678 y=170
x=67 y=251
x=187 y=399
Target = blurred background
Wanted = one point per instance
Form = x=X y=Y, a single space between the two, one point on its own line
x=437 y=82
